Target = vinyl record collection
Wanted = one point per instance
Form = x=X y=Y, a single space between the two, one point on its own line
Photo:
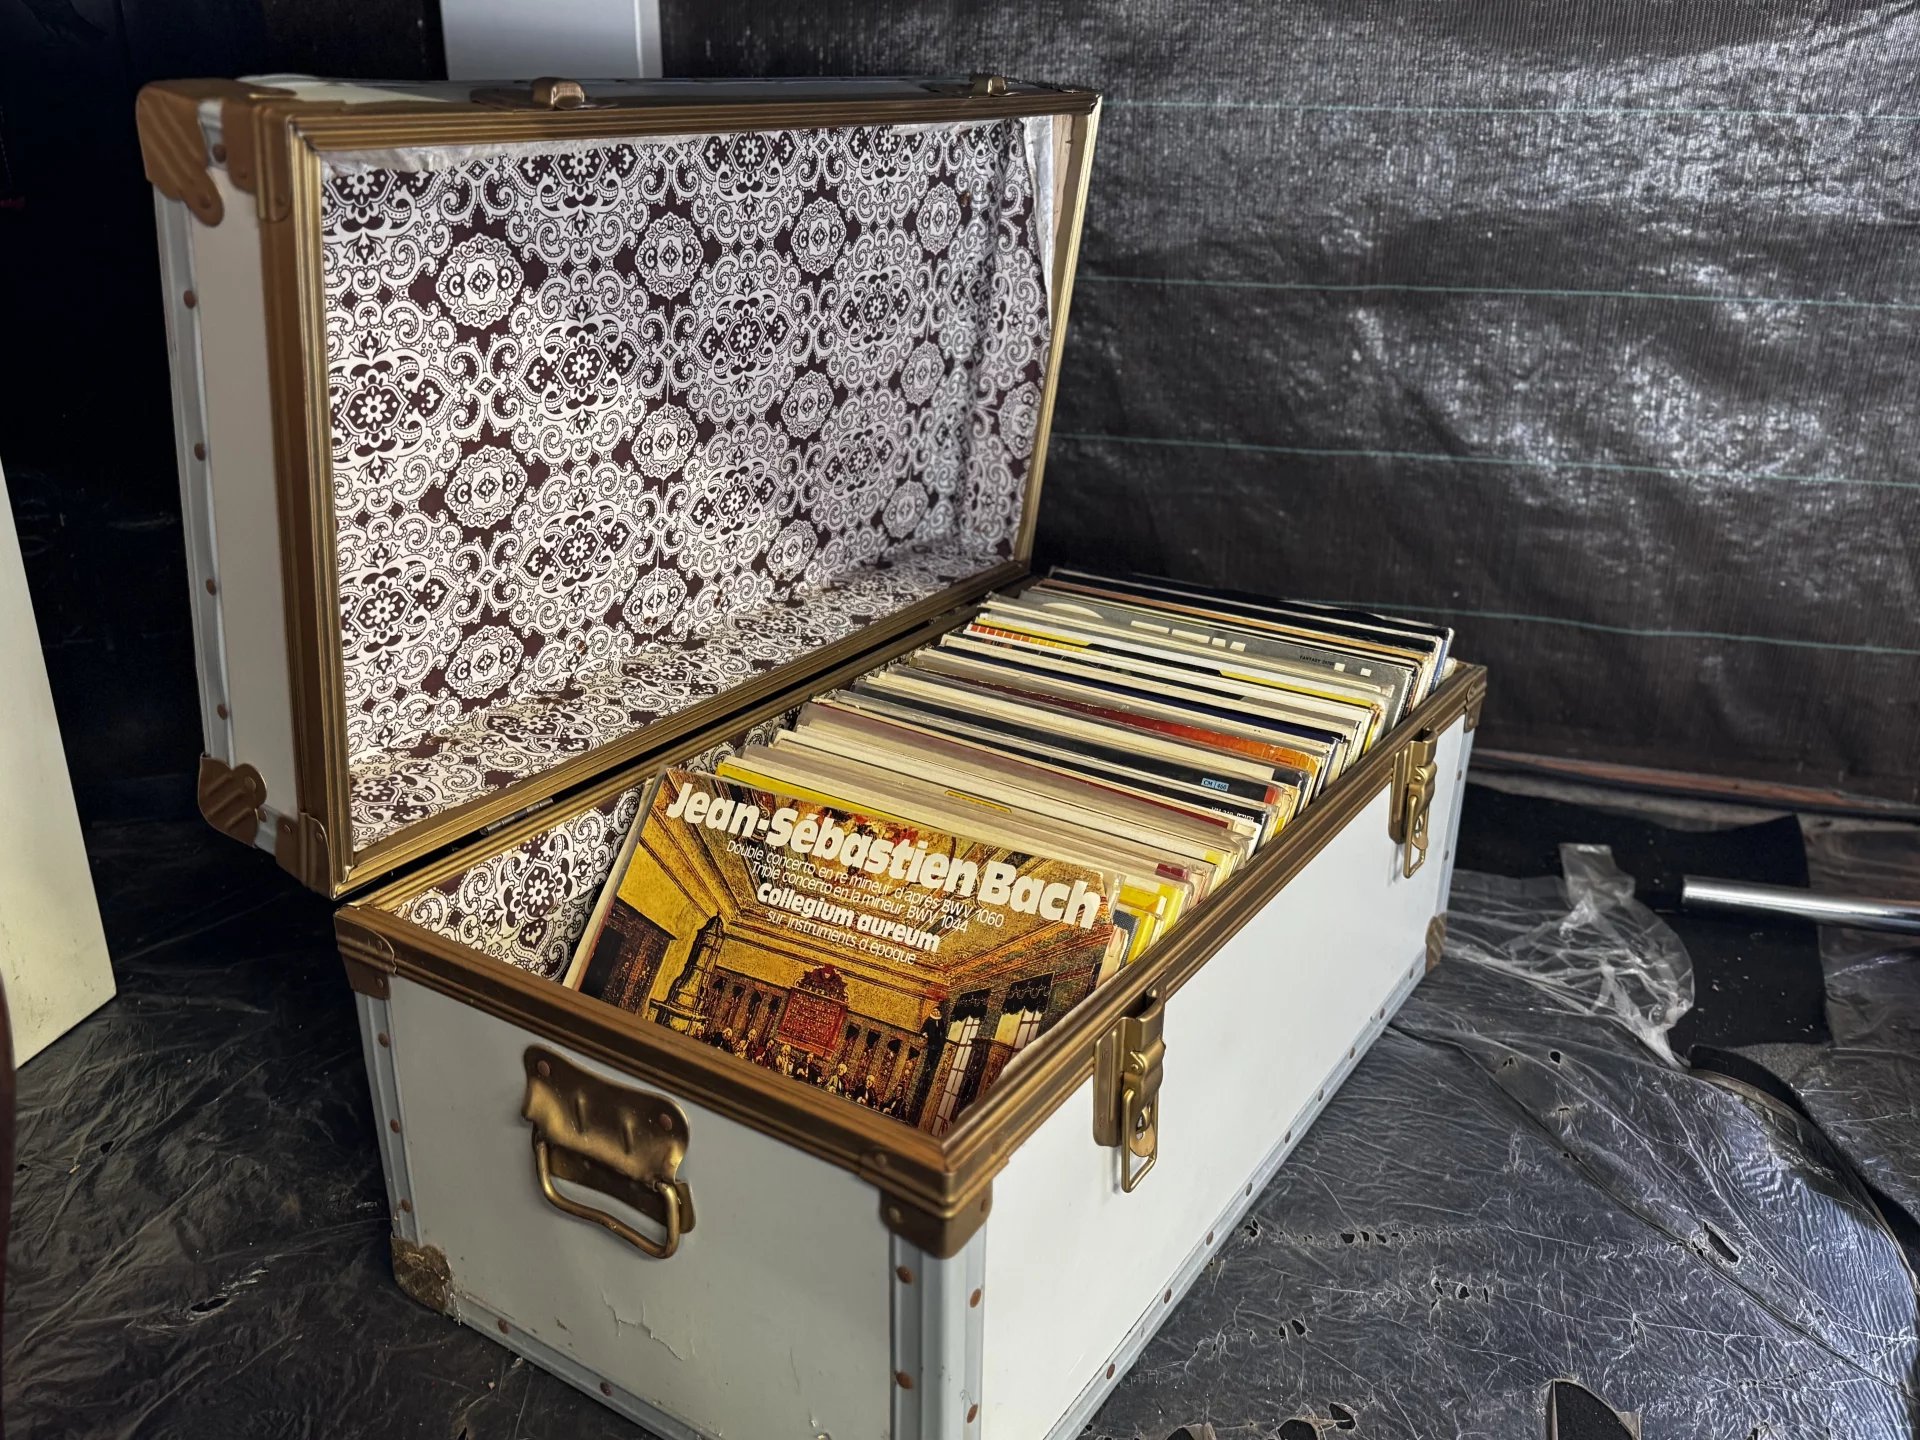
x=899 y=890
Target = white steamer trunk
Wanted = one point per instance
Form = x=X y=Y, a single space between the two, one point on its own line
x=790 y=1310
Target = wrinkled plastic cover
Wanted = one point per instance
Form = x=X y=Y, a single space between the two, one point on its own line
x=1865 y=1088
x=1584 y=939
x=1514 y=1187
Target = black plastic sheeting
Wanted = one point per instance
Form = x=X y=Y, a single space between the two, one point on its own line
x=1590 y=329
x=1512 y=1188
x=86 y=426
x=1864 y=1089
x=1751 y=984
x=1515 y=1187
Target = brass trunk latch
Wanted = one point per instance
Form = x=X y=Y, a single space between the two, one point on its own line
x=549 y=92
x=1126 y=1090
x=624 y=1143
x=1414 y=773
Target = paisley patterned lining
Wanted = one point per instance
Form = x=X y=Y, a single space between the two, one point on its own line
x=488 y=749
x=528 y=905
x=618 y=425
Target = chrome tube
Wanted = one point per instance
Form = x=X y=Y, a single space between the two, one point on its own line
x=1860 y=912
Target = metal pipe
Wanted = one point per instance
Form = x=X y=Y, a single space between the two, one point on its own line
x=1860 y=912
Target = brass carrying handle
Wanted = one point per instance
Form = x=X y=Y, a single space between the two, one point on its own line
x=669 y=1201
x=601 y=1136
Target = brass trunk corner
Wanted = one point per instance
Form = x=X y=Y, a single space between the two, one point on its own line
x=422 y=1271
x=173 y=148
x=1476 y=701
x=941 y=1235
x=367 y=954
x=301 y=848
x=231 y=798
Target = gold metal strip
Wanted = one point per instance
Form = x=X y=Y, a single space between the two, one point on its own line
x=375 y=126
x=296 y=350
x=1069 y=224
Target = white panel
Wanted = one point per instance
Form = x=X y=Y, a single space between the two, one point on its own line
x=579 y=39
x=376 y=1048
x=53 y=954
x=1452 y=832
x=1069 y=1426
x=772 y=1320
x=558 y=1362
x=1254 y=1042
x=175 y=225
x=938 y=1318
x=230 y=503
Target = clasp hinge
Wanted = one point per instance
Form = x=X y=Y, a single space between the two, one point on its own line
x=1126 y=1090
x=1414 y=774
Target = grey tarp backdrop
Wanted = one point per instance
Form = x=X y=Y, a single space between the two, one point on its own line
x=1590 y=330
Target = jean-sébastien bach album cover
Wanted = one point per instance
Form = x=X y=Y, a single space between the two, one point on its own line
x=888 y=962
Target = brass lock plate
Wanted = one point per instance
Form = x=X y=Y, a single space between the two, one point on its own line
x=1127 y=1070
x=602 y=1136
x=549 y=92
x=1415 y=775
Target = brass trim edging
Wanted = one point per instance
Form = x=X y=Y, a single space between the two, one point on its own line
x=434 y=122
x=934 y=1192
x=1436 y=941
x=1068 y=226
x=290 y=278
x=367 y=954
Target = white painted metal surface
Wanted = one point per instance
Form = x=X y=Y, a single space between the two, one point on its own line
x=223 y=436
x=938 y=1321
x=580 y=39
x=1161 y=1306
x=774 y=1318
x=1253 y=1042
x=790 y=1307
x=53 y=954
